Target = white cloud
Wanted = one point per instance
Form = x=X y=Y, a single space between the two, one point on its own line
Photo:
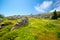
x=57 y=6
x=43 y=7
x=52 y=10
x=57 y=9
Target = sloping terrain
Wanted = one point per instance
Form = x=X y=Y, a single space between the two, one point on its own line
x=37 y=29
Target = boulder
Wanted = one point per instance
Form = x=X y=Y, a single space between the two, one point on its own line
x=25 y=21
x=21 y=24
x=2 y=25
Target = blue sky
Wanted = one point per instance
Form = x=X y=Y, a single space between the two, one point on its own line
x=26 y=7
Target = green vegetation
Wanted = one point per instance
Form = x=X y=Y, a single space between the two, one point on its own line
x=59 y=15
x=54 y=15
x=1 y=16
x=38 y=29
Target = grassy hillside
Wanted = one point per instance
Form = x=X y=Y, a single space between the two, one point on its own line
x=38 y=29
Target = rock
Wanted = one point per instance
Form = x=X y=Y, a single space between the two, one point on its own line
x=21 y=24
x=25 y=21
x=2 y=25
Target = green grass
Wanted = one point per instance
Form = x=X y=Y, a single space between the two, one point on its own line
x=37 y=29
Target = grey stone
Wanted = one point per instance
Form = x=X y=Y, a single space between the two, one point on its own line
x=21 y=24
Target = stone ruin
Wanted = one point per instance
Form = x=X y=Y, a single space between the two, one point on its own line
x=21 y=24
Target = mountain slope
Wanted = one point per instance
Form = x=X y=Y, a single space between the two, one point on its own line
x=38 y=29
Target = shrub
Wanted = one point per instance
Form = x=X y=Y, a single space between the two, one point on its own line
x=1 y=16
x=8 y=23
x=59 y=15
x=50 y=25
x=9 y=36
x=2 y=33
x=58 y=34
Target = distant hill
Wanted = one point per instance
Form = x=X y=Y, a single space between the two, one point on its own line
x=44 y=15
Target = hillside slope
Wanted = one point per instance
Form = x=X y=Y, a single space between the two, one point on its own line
x=38 y=29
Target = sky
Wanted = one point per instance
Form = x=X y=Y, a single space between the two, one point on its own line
x=27 y=7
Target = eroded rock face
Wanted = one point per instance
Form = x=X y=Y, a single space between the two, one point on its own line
x=2 y=25
x=21 y=24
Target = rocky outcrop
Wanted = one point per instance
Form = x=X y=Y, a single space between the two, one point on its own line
x=21 y=24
